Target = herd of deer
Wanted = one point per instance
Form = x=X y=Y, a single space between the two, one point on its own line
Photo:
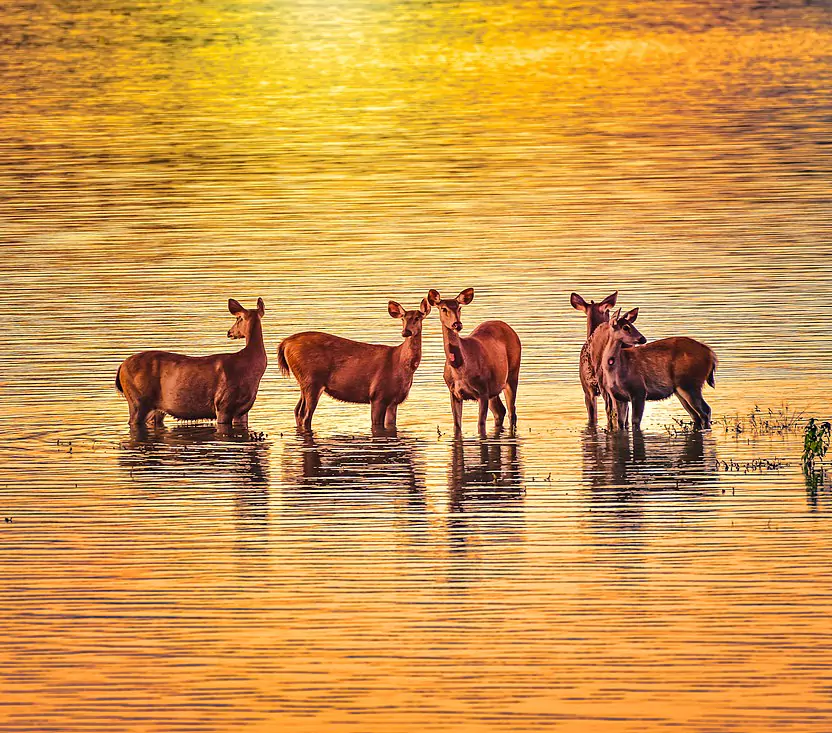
x=478 y=367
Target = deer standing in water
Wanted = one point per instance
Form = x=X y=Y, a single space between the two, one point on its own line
x=352 y=371
x=655 y=371
x=481 y=366
x=221 y=386
x=597 y=335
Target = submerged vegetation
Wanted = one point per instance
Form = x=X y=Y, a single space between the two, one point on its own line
x=816 y=438
x=770 y=421
x=777 y=421
x=755 y=465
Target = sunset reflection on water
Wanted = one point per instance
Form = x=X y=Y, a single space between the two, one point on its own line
x=158 y=159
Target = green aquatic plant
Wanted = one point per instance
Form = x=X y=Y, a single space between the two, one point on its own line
x=815 y=444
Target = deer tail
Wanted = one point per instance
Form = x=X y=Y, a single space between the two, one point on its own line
x=711 y=378
x=118 y=381
x=281 y=359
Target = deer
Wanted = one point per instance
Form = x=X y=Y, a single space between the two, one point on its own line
x=597 y=334
x=352 y=371
x=480 y=366
x=655 y=371
x=221 y=386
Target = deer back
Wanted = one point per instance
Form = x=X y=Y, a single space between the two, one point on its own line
x=668 y=363
x=348 y=370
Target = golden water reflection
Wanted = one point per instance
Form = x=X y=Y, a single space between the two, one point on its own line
x=157 y=159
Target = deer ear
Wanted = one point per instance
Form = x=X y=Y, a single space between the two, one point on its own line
x=234 y=308
x=261 y=307
x=631 y=315
x=614 y=319
x=465 y=297
x=424 y=306
x=578 y=303
x=434 y=297
x=395 y=310
x=609 y=301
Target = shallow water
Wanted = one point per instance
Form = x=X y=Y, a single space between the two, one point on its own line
x=157 y=159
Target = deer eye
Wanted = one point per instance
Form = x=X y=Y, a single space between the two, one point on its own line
x=627 y=329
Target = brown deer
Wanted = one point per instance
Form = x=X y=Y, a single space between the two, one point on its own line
x=597 y=315
x=352 y=371
x=677 y=365
x=481 y=366
x=221 y=386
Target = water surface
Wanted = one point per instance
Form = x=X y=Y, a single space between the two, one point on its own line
x=157 y=159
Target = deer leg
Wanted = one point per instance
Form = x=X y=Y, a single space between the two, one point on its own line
x=378 y=411
x=390 y=417
x=482 y=415
x=697 y=407
x=684 y=398
x=300 y=409
x=511 y=397
x=609 y=407
x=705 y=411
x=311 y=399
x=156 y=418
x=591 y=408
x=456 y=410
x=138 y=413
x=622 y=407
x=495 y=404
x=701 y=407
x=241 y=421
x=225 y=420
x=638 y=412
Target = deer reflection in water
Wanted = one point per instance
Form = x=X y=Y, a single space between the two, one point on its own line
x=620 y=462
x=379 y=481
x=643 y=487
x=486 y=496
x=208 y=459
x=352 y=462
x=495 y=476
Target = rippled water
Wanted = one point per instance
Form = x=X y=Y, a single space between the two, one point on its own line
x=158 y=158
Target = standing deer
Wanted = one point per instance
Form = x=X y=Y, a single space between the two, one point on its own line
x=221 y=386
x=480 y=366
x=677 y=365
x=352 y=371
x=597 y=335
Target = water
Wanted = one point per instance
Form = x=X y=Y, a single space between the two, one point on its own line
x=158 y=159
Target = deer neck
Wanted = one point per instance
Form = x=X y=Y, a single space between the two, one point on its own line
x=255 y=348
x=410 y=352
x=453 y=347
x=597 y=342
x=592 y=325
x=611 y=356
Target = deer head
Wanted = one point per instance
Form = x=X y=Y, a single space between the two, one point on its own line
x=623 y=329
x=450 y=310
x=246 y=319
x=596 y=313
x=411 y=320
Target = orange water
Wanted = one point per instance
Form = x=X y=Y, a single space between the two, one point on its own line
x=158 y=158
